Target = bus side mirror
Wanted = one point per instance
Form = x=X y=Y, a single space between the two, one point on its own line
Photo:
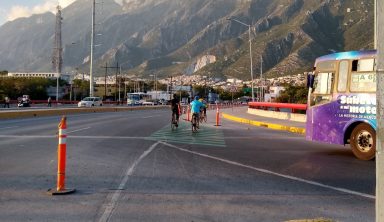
x=310 y=80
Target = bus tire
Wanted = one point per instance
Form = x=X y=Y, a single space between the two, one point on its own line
x=363 y=142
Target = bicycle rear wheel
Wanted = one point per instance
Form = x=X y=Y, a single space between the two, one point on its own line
x=194 y=123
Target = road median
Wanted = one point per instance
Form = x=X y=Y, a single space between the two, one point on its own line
x=274 y=126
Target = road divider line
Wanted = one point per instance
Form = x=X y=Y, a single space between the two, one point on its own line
x=110 y=207
x=343 y=190
x=263 y=124
x=78 y=130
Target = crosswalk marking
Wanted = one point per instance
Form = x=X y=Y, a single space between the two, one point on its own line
x=206 y=135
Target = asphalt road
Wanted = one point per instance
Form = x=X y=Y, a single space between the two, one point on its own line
x=130 y=166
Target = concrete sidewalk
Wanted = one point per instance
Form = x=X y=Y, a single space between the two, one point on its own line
x=239 y=114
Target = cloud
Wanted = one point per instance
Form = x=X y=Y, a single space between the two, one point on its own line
x=19 y=11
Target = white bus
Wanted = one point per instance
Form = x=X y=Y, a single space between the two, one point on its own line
x=137 y=98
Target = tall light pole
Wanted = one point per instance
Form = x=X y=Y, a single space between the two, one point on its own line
x=250 y=51
x=92 y=47
x=57 y=59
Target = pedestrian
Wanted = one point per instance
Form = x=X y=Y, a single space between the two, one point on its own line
x=49 y=102
x=6 y=102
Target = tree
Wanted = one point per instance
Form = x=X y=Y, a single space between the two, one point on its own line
x=293 y=94
x=81 y=88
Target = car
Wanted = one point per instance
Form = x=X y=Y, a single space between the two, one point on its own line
x=90 y=102
x=148 y=103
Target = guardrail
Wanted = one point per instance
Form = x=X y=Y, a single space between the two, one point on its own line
x=293 y=107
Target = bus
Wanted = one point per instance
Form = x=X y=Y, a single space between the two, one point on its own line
x=342 y=101
x=137 y=98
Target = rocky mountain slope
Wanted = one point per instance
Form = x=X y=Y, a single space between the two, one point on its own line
x=166 y=36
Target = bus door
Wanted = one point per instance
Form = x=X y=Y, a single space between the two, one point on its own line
x=320 y=116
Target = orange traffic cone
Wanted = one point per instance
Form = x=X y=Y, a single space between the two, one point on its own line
x=61 y=160
x=217 y=116
x=188 y=114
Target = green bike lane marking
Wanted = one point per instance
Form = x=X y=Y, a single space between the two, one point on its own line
x=206 y=135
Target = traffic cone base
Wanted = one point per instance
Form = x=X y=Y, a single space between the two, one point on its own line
x=61 y=161
x=60 y=192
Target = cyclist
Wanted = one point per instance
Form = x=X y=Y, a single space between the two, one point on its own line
x=196 y=105
x=204 y=107
x=175 y=106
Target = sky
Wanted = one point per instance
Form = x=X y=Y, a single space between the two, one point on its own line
x=13 y=9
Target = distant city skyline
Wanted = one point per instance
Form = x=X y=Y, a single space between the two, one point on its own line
x=11 y=10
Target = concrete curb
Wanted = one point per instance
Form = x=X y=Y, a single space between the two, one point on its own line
x=60 y=112
x=279 y=115
x=264 y=124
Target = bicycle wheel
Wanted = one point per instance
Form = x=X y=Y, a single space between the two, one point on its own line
x=193 y=123
x=173 y=125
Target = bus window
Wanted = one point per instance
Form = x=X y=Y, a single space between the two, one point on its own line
x=363 y=82
x=343 y=76
x=322 y=88
x=363 y=65
x=326 y=65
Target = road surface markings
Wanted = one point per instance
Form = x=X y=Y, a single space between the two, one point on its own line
x=9 y=127
x=206 y=135
x=110 y=207
x=343 y=190
x=146 y=117
x=78 y=130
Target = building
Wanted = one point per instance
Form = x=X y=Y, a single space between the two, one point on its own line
x=274 y=92
x=33 y=74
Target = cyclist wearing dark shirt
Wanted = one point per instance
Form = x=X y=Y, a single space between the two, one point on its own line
x=175 y=106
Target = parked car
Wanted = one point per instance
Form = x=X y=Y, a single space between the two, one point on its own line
x=90 y=101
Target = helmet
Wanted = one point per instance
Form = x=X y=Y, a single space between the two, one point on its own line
x=196 y=97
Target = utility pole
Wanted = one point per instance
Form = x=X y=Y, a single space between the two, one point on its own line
x=105 y=80
x=106 y=70
x=379 y=45
x=261 y=79
x=117 y=71
x=57 y=59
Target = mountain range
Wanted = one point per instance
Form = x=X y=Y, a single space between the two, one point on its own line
x=165 y=37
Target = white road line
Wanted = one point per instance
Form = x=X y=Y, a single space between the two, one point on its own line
x=28 y=136
x=78 y=130
x=274 y=173
x=112 y=204
x=9 y=127
x=76 y=137
x=146 y=117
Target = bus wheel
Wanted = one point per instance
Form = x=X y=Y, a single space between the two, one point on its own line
x=363 y=142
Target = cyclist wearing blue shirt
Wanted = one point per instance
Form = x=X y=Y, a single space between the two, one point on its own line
x=196 y=105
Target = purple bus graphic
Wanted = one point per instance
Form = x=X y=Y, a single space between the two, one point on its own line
x=342 y=102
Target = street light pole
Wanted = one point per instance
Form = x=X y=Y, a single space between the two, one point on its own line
x=92 y=47
x=250 y=51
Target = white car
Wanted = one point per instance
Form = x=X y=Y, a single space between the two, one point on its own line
x=90 y=101
x=148 y=103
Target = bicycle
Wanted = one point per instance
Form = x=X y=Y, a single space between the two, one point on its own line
x=203 y=117
x=195 y=122
x=174 y=122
